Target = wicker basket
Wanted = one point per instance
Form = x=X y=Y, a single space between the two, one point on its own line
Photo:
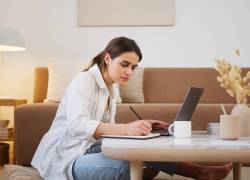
x=4 y=153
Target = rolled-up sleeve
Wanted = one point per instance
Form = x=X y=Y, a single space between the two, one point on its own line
x=78 y=99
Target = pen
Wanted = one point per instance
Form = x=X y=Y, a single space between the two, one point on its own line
x=139 y=117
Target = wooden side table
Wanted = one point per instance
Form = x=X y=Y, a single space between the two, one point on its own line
x=11 y=102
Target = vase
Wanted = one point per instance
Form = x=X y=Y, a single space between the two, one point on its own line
x=243 y=112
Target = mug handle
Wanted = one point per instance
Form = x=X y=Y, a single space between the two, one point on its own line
x=170 y=129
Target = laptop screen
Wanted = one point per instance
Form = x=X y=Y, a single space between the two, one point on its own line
x=189 y=104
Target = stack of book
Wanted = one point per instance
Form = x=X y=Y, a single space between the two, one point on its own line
x=6 y=133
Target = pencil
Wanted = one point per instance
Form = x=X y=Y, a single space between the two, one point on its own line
x=139 y=117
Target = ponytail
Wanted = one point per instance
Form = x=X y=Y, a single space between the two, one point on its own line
x=99 y=60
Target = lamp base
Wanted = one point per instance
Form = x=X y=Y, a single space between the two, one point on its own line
x=1 y=57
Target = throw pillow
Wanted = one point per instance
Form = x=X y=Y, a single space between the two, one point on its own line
x=132 y=91
x=15 y=172
x=61 y=72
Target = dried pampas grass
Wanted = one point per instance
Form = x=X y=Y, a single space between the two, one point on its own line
x=231 y=79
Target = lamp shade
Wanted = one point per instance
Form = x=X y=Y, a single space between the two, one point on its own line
x=11 y=40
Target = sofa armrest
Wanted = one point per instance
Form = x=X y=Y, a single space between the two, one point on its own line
x=31 y=122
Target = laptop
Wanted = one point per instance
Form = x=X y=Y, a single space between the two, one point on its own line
x=185 y=114
x=187 y=109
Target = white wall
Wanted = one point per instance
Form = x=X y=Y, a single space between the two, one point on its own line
x=204 y=30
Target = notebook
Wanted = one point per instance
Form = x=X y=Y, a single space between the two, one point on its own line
x=149 y=136
x=185 y=114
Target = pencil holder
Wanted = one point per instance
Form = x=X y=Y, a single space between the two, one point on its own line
x=229 y=127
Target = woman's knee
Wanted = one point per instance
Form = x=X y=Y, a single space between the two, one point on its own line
x=100 y=167
x=120 y=172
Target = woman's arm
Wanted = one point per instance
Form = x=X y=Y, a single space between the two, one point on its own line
x=107 y=128
x=136 y=128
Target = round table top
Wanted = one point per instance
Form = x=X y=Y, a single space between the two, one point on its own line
x=210 y=148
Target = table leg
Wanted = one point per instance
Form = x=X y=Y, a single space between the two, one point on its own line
x=135 y=170
x=237 y=171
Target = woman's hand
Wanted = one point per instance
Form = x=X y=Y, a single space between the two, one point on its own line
x=144 y=127
x=138 y=128
x=157 y=125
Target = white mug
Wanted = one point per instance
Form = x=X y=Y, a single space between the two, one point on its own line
x=181 y=129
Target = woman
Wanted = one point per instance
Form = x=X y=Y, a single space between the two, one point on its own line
x=71 y=149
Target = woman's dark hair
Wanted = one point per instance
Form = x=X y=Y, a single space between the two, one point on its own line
x=115 y=48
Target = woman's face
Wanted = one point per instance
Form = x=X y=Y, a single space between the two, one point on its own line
x=121 y=68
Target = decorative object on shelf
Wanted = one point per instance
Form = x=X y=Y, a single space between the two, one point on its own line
x=4 y=123
x=213 y=128
x=238 y=86
x=10 y=40
x=6 y=133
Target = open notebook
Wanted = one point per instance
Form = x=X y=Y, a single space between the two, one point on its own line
x=149 y=136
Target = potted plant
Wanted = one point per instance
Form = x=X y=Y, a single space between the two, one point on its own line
x=237 y=85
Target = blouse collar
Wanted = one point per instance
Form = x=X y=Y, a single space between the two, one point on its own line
x=95 y=71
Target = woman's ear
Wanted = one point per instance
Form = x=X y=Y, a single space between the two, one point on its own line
x=107 y=58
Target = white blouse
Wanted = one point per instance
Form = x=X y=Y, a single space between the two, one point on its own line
x=71 y=133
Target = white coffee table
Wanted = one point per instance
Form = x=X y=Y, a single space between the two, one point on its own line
x=199 y=148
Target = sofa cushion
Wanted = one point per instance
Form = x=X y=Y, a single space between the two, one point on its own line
x=15 y=172
x=132 y=91
x=61 y=73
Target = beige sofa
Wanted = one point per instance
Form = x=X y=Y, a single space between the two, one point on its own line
x=164 y=90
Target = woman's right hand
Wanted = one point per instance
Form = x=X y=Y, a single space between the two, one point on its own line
x=138 y=128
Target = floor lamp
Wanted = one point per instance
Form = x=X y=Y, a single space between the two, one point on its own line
x=10 y=40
